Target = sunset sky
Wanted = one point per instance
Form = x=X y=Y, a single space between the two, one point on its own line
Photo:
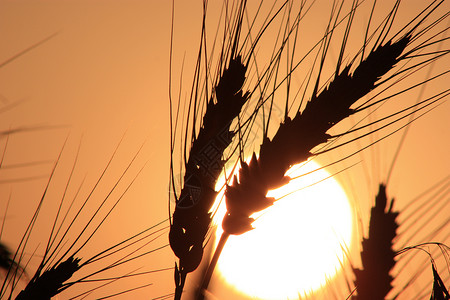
x=104 y=75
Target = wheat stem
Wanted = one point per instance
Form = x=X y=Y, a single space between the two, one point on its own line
x=213 y=263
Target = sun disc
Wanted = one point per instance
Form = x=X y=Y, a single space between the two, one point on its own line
x=297 y=243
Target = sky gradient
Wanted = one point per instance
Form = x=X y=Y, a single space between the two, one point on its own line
x=104 y=76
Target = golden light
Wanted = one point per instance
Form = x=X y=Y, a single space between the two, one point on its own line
x=297 y=243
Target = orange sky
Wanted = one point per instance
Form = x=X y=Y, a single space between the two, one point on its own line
x=104 y=76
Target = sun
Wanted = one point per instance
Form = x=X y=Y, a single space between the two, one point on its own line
x=297 y=243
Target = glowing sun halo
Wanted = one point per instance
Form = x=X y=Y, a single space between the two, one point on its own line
x=297 y=242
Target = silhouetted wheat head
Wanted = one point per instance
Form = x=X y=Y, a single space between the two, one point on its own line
x=191 y=218
x=374 y=280
x=49 y=283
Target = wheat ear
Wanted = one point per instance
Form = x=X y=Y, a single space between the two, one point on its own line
x=48 y=284
x=191 y=218
x=373 y=281
x=297 y=137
